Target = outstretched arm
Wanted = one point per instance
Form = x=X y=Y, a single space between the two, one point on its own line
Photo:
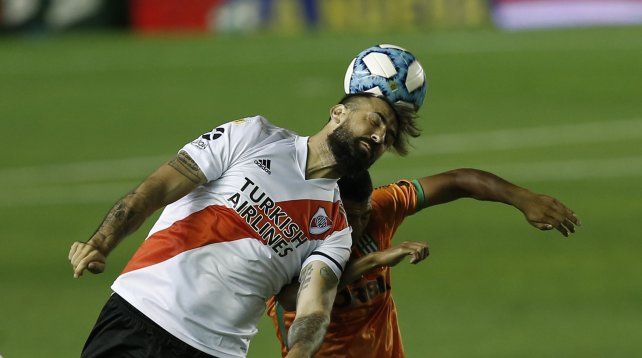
x=316 y=295
x=417 y=251
x=541 y=211
x=170 y=182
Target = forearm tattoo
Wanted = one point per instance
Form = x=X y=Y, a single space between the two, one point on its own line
x=308 y=331
x=185 y=165
x=120 y=221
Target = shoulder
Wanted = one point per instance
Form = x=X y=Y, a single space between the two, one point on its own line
x=259 y=128
x=400 y=196
x=400 y=189
x=249 y=131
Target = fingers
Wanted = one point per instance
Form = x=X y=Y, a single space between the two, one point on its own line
x=569 y=225
x=562 y=229
x=572 y=217
x=96 y=267
x=73 y=249
x=548 y=213
x=79 y=249
x=83 y=256
x=575 y=219
x=418 y=251
x=569 y=216
x=557 y=220
x=564 y=225
x=567 y=213
x=94 y=259
x=543 y=226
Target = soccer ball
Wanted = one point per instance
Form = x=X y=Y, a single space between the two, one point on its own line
x=390 y=71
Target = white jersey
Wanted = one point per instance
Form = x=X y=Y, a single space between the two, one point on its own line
x=215 y=256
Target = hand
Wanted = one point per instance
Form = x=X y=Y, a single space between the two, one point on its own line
x=417 y=250
x=85 y=256
x=545 y=213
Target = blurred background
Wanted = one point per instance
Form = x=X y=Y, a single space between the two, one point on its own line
x=95 y=94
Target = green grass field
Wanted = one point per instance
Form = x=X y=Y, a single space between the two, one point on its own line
x=84 y=118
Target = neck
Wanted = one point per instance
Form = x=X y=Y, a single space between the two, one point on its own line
x=320 y=162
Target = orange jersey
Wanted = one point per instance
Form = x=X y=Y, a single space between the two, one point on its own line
x=364 y=317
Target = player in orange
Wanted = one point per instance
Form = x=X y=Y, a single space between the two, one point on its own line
x=364 y=317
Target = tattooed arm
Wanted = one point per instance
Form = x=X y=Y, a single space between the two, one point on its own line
x=170 y=182
x=314 y=303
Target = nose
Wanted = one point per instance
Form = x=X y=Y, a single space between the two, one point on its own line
x=378 y=136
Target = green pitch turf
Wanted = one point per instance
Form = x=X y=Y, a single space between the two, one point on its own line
x=84 y=117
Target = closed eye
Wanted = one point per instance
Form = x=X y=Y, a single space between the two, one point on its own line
x=391 y=136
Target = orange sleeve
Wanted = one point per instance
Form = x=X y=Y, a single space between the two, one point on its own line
x=397 y=200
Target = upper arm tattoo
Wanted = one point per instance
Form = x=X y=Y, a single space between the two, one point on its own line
x=185 y=165
x=329 y=278
x=306 y=276
x=308 y=330
x=327 y=275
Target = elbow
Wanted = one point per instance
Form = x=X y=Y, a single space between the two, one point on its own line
x=462 y=174
x=467 y=182
x=319 y=316
x=307 y=331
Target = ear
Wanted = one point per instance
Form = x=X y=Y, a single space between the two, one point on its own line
x=337 y=113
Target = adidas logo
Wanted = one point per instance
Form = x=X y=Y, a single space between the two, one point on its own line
x=264 y=164
x=320 y=222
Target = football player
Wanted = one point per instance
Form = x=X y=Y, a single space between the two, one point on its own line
x=364 y=317
x=248 y=207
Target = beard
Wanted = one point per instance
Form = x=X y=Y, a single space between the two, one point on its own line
x=347 y=152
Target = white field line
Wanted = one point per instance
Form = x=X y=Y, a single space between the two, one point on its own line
x=549 y=171
x=81 y=172
x=534 y=137
x=101 y=181
x=67 y=195
x=546 y=171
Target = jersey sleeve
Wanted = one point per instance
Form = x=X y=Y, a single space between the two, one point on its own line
x=397 y=201
x=334 y=251
x=215 y=151
x=335 y=248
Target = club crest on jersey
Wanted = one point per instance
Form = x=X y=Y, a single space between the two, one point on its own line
x=320 y=222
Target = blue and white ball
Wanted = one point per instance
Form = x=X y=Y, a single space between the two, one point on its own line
x=390 y=71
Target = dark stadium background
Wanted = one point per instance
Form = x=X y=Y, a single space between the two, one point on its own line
x=89 y=108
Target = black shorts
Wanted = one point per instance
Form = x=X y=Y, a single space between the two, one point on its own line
x=123 y=331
